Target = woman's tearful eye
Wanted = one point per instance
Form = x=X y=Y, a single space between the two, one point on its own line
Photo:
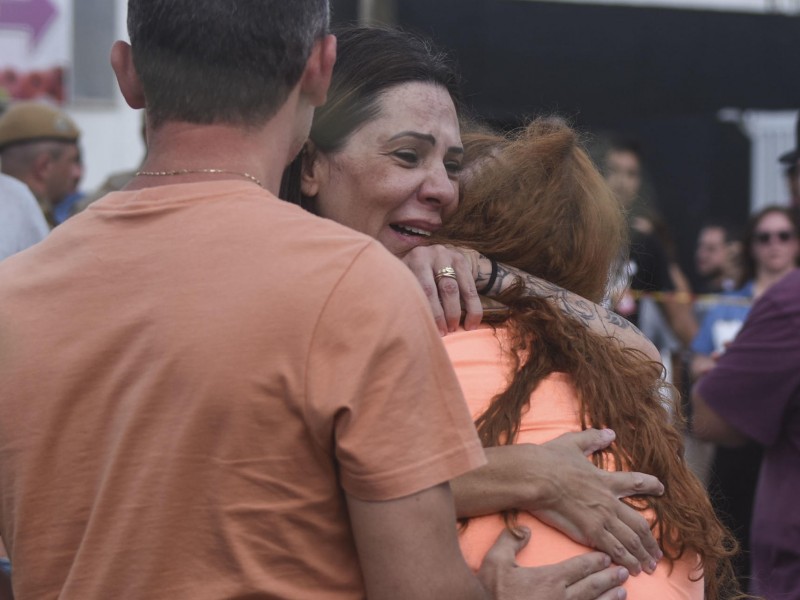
x=453 y=167
x=407 y=156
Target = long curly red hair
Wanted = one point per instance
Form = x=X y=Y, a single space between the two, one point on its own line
x=535 y=201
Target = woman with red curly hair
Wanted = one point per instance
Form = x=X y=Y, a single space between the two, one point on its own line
x=536 y=202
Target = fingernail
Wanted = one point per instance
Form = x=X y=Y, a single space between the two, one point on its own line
x=659 y=555
x=609 y=433
x=622 y=574
x=621 y=594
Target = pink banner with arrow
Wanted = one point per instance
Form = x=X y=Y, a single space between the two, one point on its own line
x=33 y=50
x=33 y=16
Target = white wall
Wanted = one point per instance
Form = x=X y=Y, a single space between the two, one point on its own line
x=771 y=134
x=111 y=139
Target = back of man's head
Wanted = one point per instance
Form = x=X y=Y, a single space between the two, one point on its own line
x=221 y=61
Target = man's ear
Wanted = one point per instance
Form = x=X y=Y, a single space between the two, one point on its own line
x=316 y=78
x=127 y=77
x=311 y=170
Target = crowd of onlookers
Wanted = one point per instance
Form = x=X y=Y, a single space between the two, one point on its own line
x=210 y=392
x=735 y=264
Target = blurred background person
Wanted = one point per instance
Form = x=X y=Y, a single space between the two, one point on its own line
x=771 y=251
x=22 y=225
x=753 y=393
x=21 y=222
x=717 y=269
x=655 y=277
x=39 y=146
x=658 y=296
x=716 y=258
x=68 y=206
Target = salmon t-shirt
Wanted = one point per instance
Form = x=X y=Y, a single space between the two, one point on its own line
x=191 y=376
x=483 y=370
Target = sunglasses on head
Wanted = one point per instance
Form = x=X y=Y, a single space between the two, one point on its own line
x=764 y=237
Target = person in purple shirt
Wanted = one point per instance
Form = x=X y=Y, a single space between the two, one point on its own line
x=754 y=394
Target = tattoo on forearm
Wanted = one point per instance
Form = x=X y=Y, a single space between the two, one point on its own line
x=572 y=305
x=505 y=278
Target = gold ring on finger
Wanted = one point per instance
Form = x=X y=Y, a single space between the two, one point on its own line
x=445 y=272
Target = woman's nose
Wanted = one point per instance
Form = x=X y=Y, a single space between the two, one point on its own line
x=440 y=187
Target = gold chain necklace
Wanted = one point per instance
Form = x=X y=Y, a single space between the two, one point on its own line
x=188 y=171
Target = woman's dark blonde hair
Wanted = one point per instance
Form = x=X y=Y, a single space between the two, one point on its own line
x=535 y=201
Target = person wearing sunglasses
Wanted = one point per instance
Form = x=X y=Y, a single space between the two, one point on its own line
x=770 y=252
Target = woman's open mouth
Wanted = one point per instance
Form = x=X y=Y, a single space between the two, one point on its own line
x=406 y=230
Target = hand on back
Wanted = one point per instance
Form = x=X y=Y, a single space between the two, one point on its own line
x=587 y=577
x=584 y=503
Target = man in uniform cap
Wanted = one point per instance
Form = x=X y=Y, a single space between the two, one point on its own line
x=39 y=146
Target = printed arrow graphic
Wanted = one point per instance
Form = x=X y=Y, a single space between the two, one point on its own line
x=31 y=15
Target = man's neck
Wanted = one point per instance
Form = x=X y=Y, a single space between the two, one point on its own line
x=213 y=152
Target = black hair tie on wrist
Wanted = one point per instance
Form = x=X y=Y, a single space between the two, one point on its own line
x=492 y=278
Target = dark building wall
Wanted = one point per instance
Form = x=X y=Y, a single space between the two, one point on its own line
x=660 y=75
x=344 y=11
x=608 y=60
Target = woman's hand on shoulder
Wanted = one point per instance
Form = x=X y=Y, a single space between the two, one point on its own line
x=452 y=293
x=558 y=484
x=583 y=501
